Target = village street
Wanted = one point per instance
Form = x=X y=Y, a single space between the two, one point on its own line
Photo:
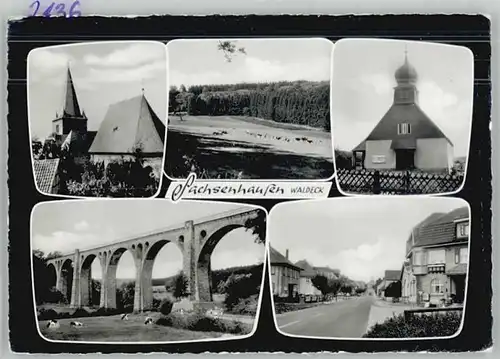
x=346 y=319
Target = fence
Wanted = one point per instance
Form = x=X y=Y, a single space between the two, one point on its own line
x=397 y=182
x=411 y=312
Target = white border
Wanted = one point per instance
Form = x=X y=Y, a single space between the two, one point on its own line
x=430 y=44
x=298 y=181
x=360 y=199
x=84 y=43
x=236 y=337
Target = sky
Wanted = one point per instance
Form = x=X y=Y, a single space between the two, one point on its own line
x=362 y=237
x=199 y=62
x=67 y=225
x=363 y=82
x=103 y=73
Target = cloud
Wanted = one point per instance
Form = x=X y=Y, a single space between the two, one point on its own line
x=436 y=101
x=82 y=226
x=254 y=69
x=133 y=55
x=368 y=260
x=67 y=241
x=378 y=82
x=44 y=64
x=154 y=70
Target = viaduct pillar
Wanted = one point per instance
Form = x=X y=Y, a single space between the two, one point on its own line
x=75 y=288
x=189 y=259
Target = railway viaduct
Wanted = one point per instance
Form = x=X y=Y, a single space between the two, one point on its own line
x=196 y=240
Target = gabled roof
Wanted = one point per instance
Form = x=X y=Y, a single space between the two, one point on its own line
x=392 y=275
x=276 y=258
x=128 y=125
x=45 y=173
x=71 y=106
x=438 y=228
x=307 y=269
x=387 y=128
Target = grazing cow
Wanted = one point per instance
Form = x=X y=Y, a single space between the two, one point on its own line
x=124 y=316
x=148 y=321
x=76 y=324
x=53 y=324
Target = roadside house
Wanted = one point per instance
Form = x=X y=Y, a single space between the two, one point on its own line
x=437 y=258
x=285 y=276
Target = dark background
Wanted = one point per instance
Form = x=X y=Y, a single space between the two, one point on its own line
x=470 y=31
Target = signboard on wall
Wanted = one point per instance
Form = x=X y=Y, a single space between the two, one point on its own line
x=378 y=159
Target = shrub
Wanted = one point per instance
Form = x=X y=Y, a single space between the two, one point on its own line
x=156 y=304
x=47 y=314
x=54 y=296
x=80 y=313
x=166 y=306
x=180 y=286
x=246 y=306
x=105 y=312
x=436 y=325
x=237 y=287
x=203 y=323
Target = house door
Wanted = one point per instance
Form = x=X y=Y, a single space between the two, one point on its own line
x=405 y=160
x=460 y=288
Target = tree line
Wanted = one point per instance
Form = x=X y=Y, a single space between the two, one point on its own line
x=298 y=102
x=337 y=285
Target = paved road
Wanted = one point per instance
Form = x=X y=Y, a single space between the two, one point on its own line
x=346 y=319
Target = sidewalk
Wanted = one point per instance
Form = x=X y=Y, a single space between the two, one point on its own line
x=382 y=310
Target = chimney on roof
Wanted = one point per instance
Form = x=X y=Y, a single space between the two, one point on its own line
x=286 y=255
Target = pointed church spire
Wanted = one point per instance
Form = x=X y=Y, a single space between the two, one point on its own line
x=71 y=107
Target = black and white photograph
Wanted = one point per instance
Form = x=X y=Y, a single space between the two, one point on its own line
x=97 y=114
x=370 y=267
x=401 y=115
x=140 y=271
x=249 y=109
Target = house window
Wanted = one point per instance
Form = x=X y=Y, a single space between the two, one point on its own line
x=463 y=230
x=464 y=255
x=274 y=288
x=404 y=128
x=419 y=258
x=436 y=286
x=436 y=256
x=57 y=128
x=273 y=270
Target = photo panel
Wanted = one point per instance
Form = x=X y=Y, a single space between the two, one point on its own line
x=147 y=271
x=252 y=109
x=97 y=115
x=401 y=116
x=369 y=268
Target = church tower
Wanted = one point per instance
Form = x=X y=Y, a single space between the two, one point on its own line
x=71 y=119
x=406 y=90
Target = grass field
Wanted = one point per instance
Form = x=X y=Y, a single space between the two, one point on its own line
x=113 y=329
x=227 y=145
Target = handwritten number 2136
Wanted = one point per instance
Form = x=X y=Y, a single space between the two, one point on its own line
x=56 y=9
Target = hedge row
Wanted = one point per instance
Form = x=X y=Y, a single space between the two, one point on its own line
x=203 y=323
x=436 y=325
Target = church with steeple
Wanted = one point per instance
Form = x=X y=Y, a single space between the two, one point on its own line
x=129 y=126
x=405 y=138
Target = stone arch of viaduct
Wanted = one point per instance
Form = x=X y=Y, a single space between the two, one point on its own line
x=196 y=241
